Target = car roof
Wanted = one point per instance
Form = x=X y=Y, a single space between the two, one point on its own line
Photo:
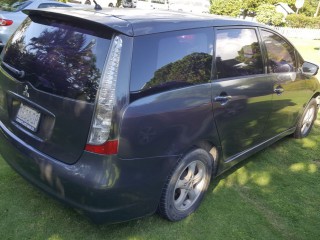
x=136 y=22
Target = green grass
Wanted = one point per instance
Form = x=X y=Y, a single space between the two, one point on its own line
x=272 y=195
x=309 y=49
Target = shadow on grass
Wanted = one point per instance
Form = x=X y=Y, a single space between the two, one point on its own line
x=274 y=191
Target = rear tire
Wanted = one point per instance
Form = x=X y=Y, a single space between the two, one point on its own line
x=307 y=119
x=186 y=186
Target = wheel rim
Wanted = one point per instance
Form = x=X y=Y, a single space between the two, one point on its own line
x=189 y=185
x=307 y=120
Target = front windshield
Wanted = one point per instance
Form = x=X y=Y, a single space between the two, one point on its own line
x=15 y=7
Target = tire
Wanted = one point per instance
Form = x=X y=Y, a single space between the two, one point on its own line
x=307 y=119
x=110 y=5
x=186 y=186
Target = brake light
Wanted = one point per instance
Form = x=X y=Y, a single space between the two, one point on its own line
x=101 y=122
x=109 y=147
x=5 y=22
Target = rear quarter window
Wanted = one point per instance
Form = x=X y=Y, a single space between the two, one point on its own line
x=172 y=60
x=58 y=57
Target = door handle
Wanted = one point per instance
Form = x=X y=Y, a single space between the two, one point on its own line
x=222 y=99
x=279 y=90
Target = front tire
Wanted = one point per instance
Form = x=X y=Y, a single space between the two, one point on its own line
x=307 y=119
x=186 y=186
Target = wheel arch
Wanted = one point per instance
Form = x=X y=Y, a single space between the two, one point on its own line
x=317 y=97
x=212 y=148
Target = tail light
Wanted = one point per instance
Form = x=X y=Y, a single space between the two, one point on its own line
x=101 y=123
x=107 y=148
x=5 y=22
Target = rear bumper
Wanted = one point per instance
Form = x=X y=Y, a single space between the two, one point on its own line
x=105 y=188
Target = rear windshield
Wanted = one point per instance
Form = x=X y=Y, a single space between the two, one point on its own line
x=58 y=57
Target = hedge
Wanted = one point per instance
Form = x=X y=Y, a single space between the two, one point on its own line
x=302 y=21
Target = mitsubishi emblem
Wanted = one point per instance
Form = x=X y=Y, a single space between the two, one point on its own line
x=25 y=92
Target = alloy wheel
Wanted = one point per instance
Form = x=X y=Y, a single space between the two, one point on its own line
x=190 y=185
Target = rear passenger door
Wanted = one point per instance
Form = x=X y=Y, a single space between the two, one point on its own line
x=242 y=91
x=289 y=85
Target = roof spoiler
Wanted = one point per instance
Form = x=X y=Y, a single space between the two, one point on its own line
x=85 y=16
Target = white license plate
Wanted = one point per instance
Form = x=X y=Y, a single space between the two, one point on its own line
x=28 y=117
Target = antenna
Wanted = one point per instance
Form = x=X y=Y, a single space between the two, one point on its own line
x=97 y=6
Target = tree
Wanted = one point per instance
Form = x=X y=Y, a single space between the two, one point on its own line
x=309 y=8
x=226 y=7
x=266 y=13
x=235 y=7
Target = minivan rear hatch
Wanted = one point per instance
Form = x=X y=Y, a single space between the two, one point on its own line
x=49 y=76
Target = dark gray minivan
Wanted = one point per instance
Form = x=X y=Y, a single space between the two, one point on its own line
x=122 y=113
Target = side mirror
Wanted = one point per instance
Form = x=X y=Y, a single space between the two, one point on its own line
x=309 y=69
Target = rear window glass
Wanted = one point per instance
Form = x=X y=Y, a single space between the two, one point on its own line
x=59 y=58
x=171 y=60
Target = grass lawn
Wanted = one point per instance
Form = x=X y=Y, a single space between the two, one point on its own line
x=272 y=195
x=309 y=49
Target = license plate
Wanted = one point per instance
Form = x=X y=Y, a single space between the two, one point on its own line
x=28 y=117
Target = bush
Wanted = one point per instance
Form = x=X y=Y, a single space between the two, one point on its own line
x=301 y=21
x=266 y=13
x=6 y=3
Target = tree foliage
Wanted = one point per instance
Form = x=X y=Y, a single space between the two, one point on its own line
x=4 y=3
x=309 y=7
x=235 y=7
x=266 y=13
x=226 y=7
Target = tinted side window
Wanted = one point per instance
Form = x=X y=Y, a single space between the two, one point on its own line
x=171 y=60
x=281 y=55
x=238 y=53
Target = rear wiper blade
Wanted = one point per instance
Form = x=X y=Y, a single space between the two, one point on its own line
x=19 y=73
